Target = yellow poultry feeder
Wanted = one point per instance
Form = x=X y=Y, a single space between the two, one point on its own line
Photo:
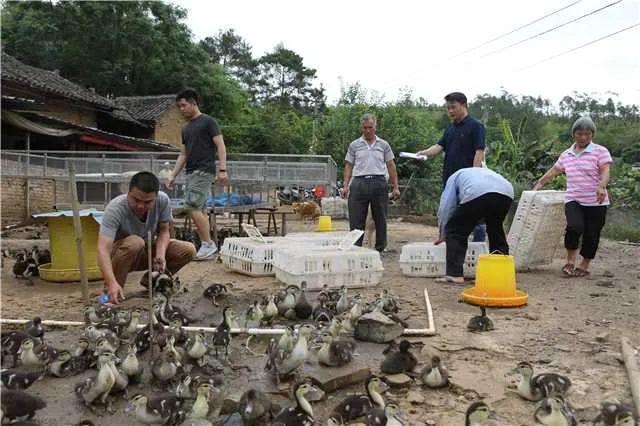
x=324 y=224
x=64 y=266
x=495 y=284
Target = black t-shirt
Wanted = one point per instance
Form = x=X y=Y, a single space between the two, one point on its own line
x=197 y=137
x=460 y=142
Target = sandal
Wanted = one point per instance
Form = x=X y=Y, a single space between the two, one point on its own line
x=579 y=272
x=449 y=280
x=568 y=270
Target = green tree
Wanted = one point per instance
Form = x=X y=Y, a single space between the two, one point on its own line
x=283 y=78
x=234 y=54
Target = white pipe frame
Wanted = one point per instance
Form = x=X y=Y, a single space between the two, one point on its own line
x=429 y=331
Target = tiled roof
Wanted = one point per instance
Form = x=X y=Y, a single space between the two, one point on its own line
x=146 y=108
x=49 y=81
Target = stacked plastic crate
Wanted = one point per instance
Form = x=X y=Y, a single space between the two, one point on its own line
x=537 y=228
x=335 y=207
x=428 y=260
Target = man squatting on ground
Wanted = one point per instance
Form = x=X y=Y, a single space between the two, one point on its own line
x=123 y=233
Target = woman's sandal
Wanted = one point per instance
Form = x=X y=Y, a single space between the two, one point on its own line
x=568 y=270
x=579 y=272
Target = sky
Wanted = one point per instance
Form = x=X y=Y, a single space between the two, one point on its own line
x=389 y=46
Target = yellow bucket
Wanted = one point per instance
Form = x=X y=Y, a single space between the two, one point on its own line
x=495 y=283
x=64 y=264
x=324 y=224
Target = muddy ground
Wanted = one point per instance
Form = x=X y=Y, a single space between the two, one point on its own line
x=570 y=326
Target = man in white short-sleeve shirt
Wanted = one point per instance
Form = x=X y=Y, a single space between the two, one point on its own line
x=369 y=159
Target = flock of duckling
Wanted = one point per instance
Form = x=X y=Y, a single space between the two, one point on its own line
x=27 y=261
x=186 y=368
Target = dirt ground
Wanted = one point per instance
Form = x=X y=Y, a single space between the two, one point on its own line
x=570 y=326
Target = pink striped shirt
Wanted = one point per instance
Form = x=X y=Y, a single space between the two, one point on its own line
x=583 y=173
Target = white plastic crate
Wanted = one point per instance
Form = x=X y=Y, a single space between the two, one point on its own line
x=336 y=207
x=250 y=257
x=353 y=267
x=537 y=228
x=427 y=260
x=321 y=239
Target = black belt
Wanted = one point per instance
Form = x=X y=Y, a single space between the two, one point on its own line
x=368 y=176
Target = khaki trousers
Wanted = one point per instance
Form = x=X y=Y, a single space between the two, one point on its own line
x=130 y=254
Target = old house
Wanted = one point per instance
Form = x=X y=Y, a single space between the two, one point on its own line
x=46 y=119
x=159 y=112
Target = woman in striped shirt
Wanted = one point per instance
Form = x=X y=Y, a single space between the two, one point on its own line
x=586 y=165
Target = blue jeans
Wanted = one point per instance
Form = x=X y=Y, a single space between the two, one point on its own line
x=479 y=233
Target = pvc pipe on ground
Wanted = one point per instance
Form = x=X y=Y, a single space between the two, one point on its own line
x=633 y=371
x=430 y=331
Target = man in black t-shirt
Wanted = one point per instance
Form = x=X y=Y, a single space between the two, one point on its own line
x=201 y=139
x=463 y=143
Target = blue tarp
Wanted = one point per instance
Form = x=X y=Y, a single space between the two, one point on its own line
x=226 y=199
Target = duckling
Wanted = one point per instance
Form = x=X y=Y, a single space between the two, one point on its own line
x=357 y=308
x=98 y=314
x=335 y=352
x=121 y=378
x=36 y=356
x=387 y=303
x=41 y=256
x=34 y=328
x=174 y=313
x=477 y=413
x=142 y=340
x=270 y=310
x=196 y=348
x=20 y=266
x=165 y=367
x=359 y=405
x=343 y=302
x=176 y=330
x=165 y=409
x=216 y=290
x=286 y=307
x=615 y=414
x=298 y=354
x=222 y=335
x=104 y=345
x=11 y=342
x=286 y=340
x=203 y=406
x=541 y=386
x=20 y=379
x=302 y=307
x=480 y=322
x=131 y=364
x=388 y=416
x=321 y=314
x=60 y=366
x=18 y=404
x=400 y=361
x=254 y=314
x=255 y=407
x=97 y=388
x=555 y=411
x=336 y=327
x=80 y=347
x=130 y=328
x=436 y=374
x=299 y=415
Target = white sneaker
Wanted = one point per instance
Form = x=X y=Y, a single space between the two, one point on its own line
x=207 y=250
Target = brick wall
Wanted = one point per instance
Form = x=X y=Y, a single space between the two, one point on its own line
x=168 y=126
x=66 y=112
x=42 y=196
